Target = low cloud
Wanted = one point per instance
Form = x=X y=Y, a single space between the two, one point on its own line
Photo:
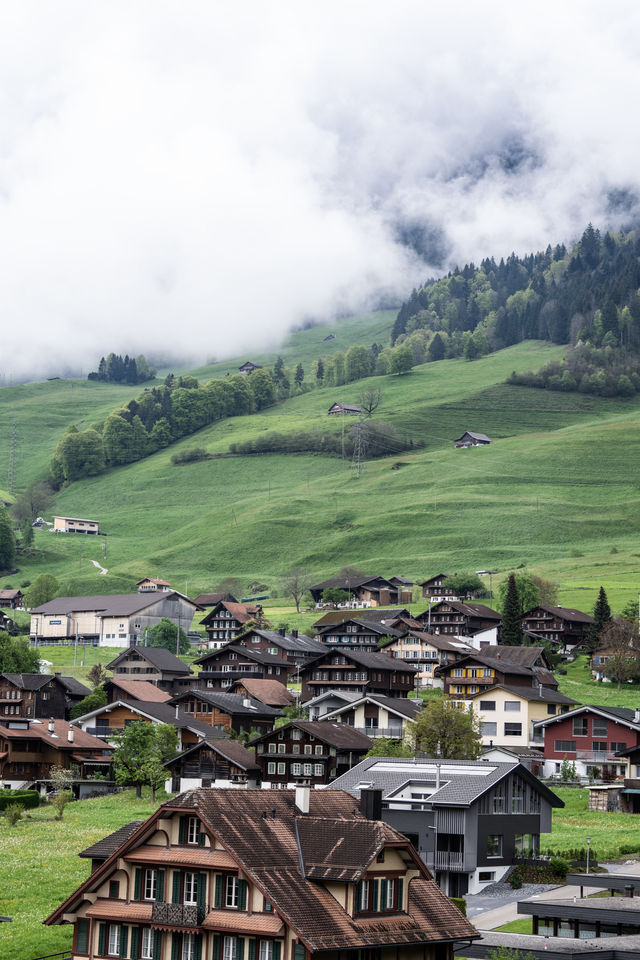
x=194 y=179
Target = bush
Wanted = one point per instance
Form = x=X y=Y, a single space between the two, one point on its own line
x=559 y=867
x=460 y=903
x=28 y=798
x=189 y=456
x=60 y=801
x=13 y=813
x=515 y=880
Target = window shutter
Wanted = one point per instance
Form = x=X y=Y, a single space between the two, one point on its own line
x=384 y=887
x=175 y=946
x=137 y=886
x=239 y=948
x=400 y=883
x=135 y=937
x=216 y=946
x=182 y=830
x=299 y=951
x=356 y=906
x=157 y=944
x=374 y=897
x=218 y=899
x=242 y=895
x=197 y=946
x=276 y=949
x=201 y=896
x=102 y=939
x=82 y=935
x=252 y=949
x=160 y=886
x=175 y=892
x=201 y=835
x=124 y=940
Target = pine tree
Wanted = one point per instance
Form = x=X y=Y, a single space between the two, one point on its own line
x=511 y=629
x=299 y=376
x=7 y=542
x=319 y=371
x=601 y=616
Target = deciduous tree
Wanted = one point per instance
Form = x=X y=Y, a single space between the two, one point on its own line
x=165 y=634
x=443 y=730
x=296 y=584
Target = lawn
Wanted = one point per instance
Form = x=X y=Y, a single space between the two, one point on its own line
x=573 y=824
x=579 y=685
x=523 y=925
x=40 y=867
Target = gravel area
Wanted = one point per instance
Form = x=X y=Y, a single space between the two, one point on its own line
x=501 y=894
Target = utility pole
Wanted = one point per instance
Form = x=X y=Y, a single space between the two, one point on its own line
x=359 y=448
x=343 y=433
x=13 y=449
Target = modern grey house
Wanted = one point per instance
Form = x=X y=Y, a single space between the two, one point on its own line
x=468 y=819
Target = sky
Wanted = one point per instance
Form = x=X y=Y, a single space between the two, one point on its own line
x=192 y=180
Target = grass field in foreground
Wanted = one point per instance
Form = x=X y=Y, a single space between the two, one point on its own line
x=579 y=685
x=41 y=867
x=575 y=822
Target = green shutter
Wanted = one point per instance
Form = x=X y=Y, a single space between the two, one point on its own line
x=197 y=946
x=175 y=893
x=175 y=946
x=201 y=835
x=218 y=899
x=160 y=886
x=276 y=949
x=102 y=939
x=157 y=944
x=299 y=951
x=374 y=896
x=252 y=949
x=124 y=940
x=201 y=896
x=384 y=888
x=135 y=938
x=242 y=895
x=216 y=946
x=82 y=935
x=182 y=829
x=400 y=886
x=239 y=948
x=137 y=886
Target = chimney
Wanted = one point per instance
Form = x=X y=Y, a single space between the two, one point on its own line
x=294 y=634
x=177 y=710
x=70 y=734
x=303 y=793
x=371 y=803
x=636 y=716
x=540 y=690
x=51 y=728
x=246 y=702
x=282 y=631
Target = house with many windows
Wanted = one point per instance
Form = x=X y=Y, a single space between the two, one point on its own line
x=227 y=711
x=39 y=695
x=227 y=619
x=30 y=749
x=591 y=737
x=212 y=763
x=221 y=668
x=307 y=876
x=153 y=664
x=465 y=620
x=295 y=647
x=525 y=667
x=426 y=651
x=314 y=751
x=509 y=715
x=559 y=626
x=378 y=716
x=357 y=672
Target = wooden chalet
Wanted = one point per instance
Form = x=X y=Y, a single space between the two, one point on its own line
x=227 y=619
x=153 y=585
x=213 y=763
x=432 y=589
x=357 y=672
x=249 y=366
x=109 y=721
x=211 y=599
x=39 y=695
x=558 y=625
x=459 y=619
x=295 y=647
x=317 y=751
x=227 y=711
x=29 y=749
x=526 y=667
x=306 y=877
x=358 y=633
x=271 y=692
x=426 y=651
x=336 y=617
x=221 y=668
x=348 y=409
x=11 y=599
x=371 y=591
x=377 y=716
x=469 y=439
x=153 y=664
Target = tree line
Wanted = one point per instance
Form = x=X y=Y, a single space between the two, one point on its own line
x=378 y=439
x=118 y=369
x=604 y=371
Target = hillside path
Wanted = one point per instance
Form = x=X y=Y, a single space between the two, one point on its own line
x=100 y=568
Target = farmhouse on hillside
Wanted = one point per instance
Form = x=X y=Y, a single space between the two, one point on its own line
x=249 y=366
x=469 y=439
x=74 y=525
x=345 y=408
x=369 y=591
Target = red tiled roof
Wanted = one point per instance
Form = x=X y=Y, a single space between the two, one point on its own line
x=142 y=690
x=197 y=856
x=119 y=910
x=271 y=692
x=254 y=923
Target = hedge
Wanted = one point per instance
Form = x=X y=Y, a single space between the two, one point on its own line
x=28 y=798
x=460 y=903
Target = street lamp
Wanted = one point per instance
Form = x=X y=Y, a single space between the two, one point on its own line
x=588 y=846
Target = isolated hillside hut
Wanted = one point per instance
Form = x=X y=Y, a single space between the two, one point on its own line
x=469 y=439
x=249 y=367
x=345 y=408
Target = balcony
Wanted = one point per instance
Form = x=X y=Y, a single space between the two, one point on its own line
x=103 y=732
x=392 y=732
x=176 y=914
x=604 y=756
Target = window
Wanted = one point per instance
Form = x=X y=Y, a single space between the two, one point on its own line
x=282 y=748
x=193 y=830
x=494 y=845
x=485 y=876
x=599 y=727
x=564 y=746
x=266 y=950
x=150 y=884
x=268 y=908
x=551 y=709
x=282 y=768
x=272 y=747
x=318 y=769
x=296 y=735
x=271 y=768
x=512 y=706
x=580 y=727
x=230 y=948
x=388 y=895
x=113 y=948
x=114 y=889
x=146 y=947
x=517 y=797
x=600 y=746
x=190 y=888
x=363 y=896
x=296 y=769
x=616 y=746
x=308 y=749
x=487 y=705
x=188 y=946
x=319 y=750
x=489 y=729
x=512 y=729
x=308 y=769
x=231 y=892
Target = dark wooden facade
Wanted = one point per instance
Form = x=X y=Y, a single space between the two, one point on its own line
x=358 y=672
x=459 y=619
x=315 y=751
x=558 y=624
x=220 y=668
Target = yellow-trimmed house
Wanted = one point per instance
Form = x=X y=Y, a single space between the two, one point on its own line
x=507 y=713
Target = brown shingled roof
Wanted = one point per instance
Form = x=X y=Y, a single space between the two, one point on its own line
x=142 y=690
x=271 y=692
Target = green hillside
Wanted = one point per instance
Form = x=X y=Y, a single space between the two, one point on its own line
x=556 y=490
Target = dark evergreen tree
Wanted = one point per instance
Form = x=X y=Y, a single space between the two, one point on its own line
x=299 y=375
x=601 y=616
x=319 y=371
x=436 y=349
x=511 y=629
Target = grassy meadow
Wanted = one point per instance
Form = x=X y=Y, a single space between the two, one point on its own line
x=609 y=832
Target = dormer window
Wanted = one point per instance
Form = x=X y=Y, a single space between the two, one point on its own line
x=382 y=895
x=193 y=830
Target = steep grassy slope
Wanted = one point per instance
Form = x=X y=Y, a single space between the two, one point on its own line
x=558 y=480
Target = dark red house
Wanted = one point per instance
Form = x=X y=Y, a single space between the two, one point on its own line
x=591 y=737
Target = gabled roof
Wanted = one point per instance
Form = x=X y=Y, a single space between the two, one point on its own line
x=159 y=583
x=158 y=657
x=235 y=704
x=374 y=661
x=28 y=681
x=229 y=749
x=347 y=407
x=339 y=735
x=287 y=642
x=108 y=845
x=466 y=609
x=211 y=599
x=268 y=691
x=436 y=576
x=377 y=627
x=475 y=436
x=160 y=713
x=39 y=730
x=539 y=694
x=9 y=595
x=242 y=612
x=347 y=696
x=141 y=690
x=438 y=640
x=349 y=583
x=107 y=605
x=562 y=613
x=623 y=715
x=402 y=581
x=369 y=613
x=72 y=686
x=267 y=659
x=329 y=852
x=405 y=707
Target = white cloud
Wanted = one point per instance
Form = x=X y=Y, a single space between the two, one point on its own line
x=200 y=176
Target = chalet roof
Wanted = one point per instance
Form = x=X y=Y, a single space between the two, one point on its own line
x=28 y=681
x=474 y=436
x=108 y=605
x=624 y=715
x=347 y=696
x=268 y=691
x=161 y=713
x=229 y=749
x=520 y=655
x=259 y=656
x=264 y=833
x=562 y=613
x=462 y=782
x=141 y=690
x=402 y=581
x=108 y=845
x=72 y=686
x=467 y=609
x=539 y=694
x=339 y=735
x=436 y=576
x=438 y=640
x=348 y=583
x=373 y=661
x=242 y=612
x=9 y=595
x=211 y=599
x=402 y=706
x=158 y=657
x=39 y=730
x=287 y=642
x=347 y=407
x=369 y=613
x=377 y=627
x=159 y=583
x=235 y=704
